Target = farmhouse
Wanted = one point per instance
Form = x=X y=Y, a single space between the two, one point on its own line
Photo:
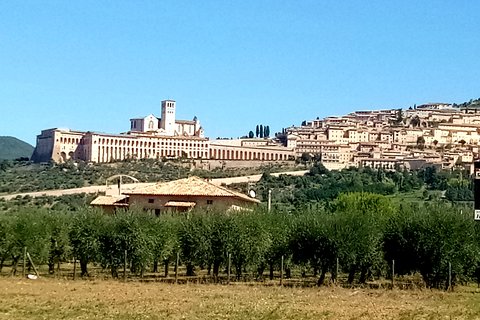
x=179 y=195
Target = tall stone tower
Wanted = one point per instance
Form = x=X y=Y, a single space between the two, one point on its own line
x=168 y=117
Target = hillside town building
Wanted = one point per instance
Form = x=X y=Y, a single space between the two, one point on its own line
x=430 y=134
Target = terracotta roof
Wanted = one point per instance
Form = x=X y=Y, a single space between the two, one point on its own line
x=109 y=201
x=192 y=186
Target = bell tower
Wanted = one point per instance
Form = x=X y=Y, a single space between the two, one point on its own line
x=167 y=121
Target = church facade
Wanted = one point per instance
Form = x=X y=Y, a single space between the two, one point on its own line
x=167 y=125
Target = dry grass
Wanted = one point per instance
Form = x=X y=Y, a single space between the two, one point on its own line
x=108 y=299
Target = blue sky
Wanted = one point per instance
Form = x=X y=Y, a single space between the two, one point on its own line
x=93 y=65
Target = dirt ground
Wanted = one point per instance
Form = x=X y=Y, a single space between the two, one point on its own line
x=110 y=299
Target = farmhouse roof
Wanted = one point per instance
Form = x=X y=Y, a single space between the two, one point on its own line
x=110 y=201
x=192 y=186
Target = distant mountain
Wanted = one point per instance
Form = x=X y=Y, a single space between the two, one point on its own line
x=13 y=148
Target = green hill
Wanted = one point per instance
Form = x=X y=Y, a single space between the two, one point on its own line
x=13 y=148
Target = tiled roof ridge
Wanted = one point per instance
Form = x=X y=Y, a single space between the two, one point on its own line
x=225 y=192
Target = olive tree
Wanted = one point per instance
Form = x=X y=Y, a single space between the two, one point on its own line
x=84 y=234
x=313 y=243
x=429 y=238
x=359 y=222
x=127 y=233
x=164 y=233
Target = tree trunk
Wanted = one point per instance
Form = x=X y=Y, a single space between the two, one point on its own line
x=271 y=271
x=260 y=270
x=2 y=261
x=363 y=275
x=83 y=268
x=321 y=280
x=51 y=266
x=14 y=265
x=351 y=275
x=166 y=263
x=334 y=276
x=114 y=272
x=190 y=269
x=288 y=273
x=216 y=268
x=238 y=270
x=155 y=265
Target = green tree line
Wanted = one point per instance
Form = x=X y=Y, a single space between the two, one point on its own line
x=364 y=232
x=320 y=185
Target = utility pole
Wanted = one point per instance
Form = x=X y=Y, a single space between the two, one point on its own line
x=269 y=200
x=125 y=266
x=281 y=272
x=393 y=273
x=228 y=267
x=177 y=262
x=449 y=276
x=24 y=261
x=120 y=185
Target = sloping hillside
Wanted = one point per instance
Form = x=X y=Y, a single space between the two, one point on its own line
x=13 y=148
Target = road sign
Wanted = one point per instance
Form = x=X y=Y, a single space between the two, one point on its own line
x=476 y=190
x=477 y=215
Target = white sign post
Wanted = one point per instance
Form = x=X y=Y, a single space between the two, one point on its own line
x=477 y=215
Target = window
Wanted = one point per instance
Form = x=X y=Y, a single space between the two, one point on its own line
x=209 y=201
x=151 y=200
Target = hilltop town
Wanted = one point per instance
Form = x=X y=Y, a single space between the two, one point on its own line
x=440 y=134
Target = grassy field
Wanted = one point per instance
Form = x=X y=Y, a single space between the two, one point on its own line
x=103 y=299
